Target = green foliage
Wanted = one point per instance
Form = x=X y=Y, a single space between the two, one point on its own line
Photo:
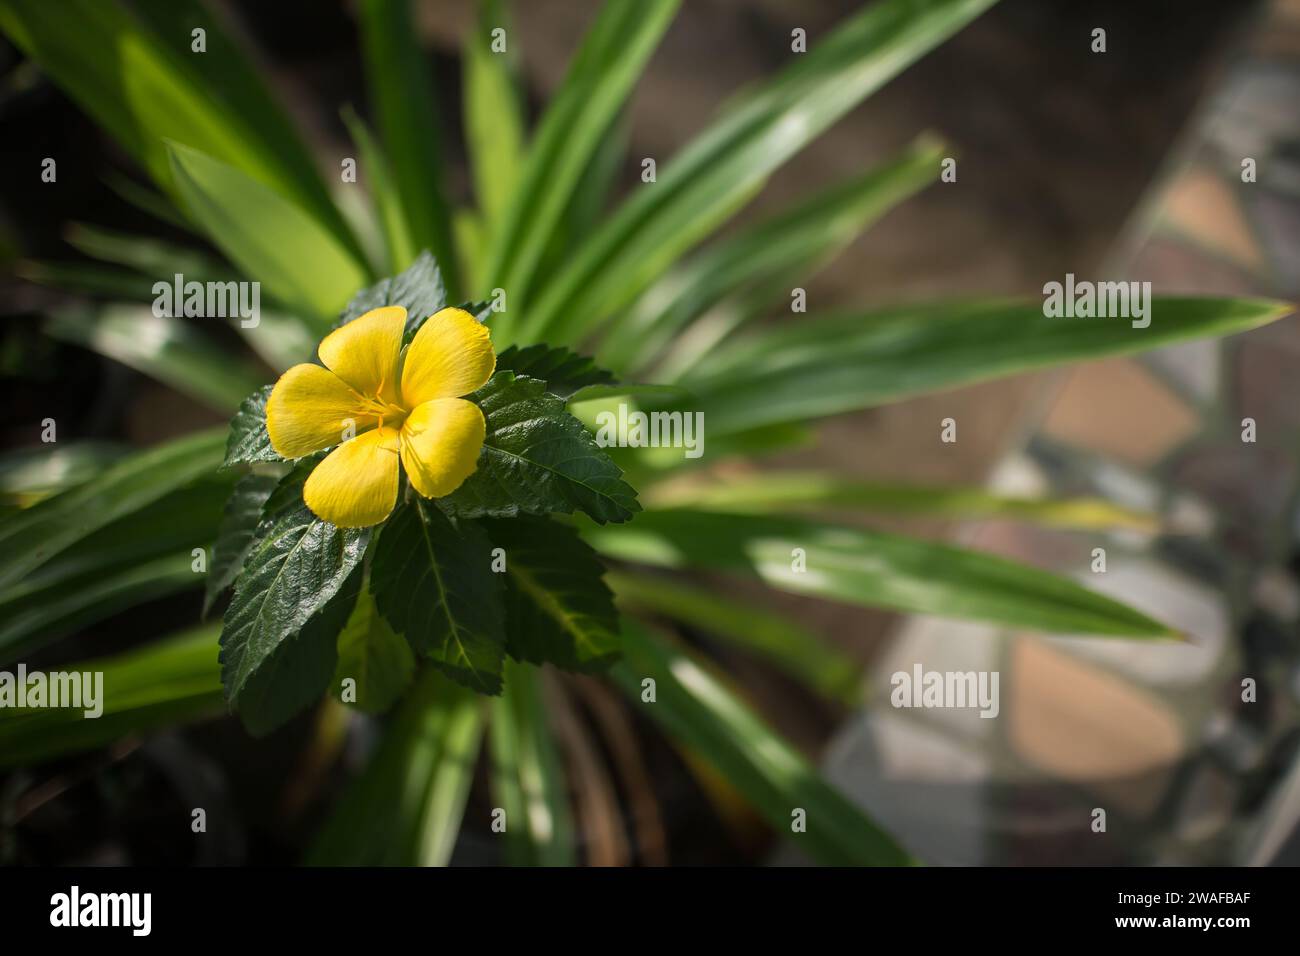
x=872 y=569
x=700 y=712
x=248 y=440
x=419 y=289
x=293 y=571
x=538 y=459
x=375 y=656
x=235 y=539
x=432 y=582
x=559 y=610
x=563 y=370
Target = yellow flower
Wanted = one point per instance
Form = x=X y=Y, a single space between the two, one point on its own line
x=398 y=404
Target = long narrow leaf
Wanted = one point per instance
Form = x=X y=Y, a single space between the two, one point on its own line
x=783 y=492
x=526 y=774
x=725 y=166
x=840 y=363
x=146 y=88
x=494 y=121
x=407 y=116
x=598 y=82
x=782 y=251
x=267 y=236
x=164 y=348
x=775 y=637
x=873 y=570
x=33 y=537
x=702 y=715
x=405 y=809
x=169 y=682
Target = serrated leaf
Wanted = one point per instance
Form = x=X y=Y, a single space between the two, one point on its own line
x=419 y=289
x=538 y=459
x=298 y=671
x=371 y=653
x=558 y=609
x=563 y=370
x=248 y=440
x=296 y=566
x=432 y=581
x=242 y=515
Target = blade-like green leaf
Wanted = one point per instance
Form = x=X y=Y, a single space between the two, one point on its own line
x=725 y=166
x=558 y=609
x=783 y=492
x=32 y=537
x=494 y=121
x=527 y=775
x=166 y=683
x=433 y=582
x=297 y=566
x=144 y=85
x=375 y=657
x=828 y=365
x=29 y=474
x=406 y=113
x=762 y=631
x=164 y=348
x=398 y=240
x=268 y=237
x=538 y=459
x=702 y=715
x=406 y=808
x=769 y=258
x=873 y=570
x=582 y=111
x=38 y=616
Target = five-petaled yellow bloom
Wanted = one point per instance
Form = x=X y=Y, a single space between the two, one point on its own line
x=398 y=404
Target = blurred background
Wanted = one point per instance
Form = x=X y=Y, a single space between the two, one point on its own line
x=1124 y=163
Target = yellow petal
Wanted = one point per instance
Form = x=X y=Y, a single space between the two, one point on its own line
x=450 y=356
x=364 y=352
x=440 y=444
x=356 y=485
x=311 y=408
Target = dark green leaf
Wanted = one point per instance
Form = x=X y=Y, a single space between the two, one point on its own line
x=248 y=440
x=419 y=289
x=242 y=515
x=558 y=609
x=298 y=564
x=563 y=370
x=538 y=459
x=375 y=656
x=299 y=669
x=432 y=581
